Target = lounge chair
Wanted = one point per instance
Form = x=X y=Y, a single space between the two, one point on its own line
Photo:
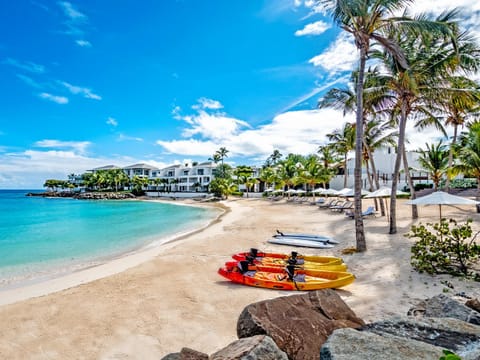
x=328 y=204
x=369 y=212
x=346 y=205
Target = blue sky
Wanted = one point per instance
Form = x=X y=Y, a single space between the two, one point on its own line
x=91 y=83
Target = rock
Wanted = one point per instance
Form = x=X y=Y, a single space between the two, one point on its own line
x=186 y=354
x=259 y=347
x=299 y=324
x=473 y=304
x=443 y=306
x=350 y=344
x=458 y=336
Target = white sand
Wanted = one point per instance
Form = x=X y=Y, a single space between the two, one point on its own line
x=150 y=304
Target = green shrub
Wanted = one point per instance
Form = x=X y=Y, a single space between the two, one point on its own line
x=448 y=355
x=444 y=250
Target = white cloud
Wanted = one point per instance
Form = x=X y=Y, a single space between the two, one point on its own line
x=111 y=121
x=213 y=126
x=339 y=56
x=122 y=137
x=26 y=65
x=204 y=103
x=29 y=169
x=74 y=23
x=29 y=81
x=70 y=11
x=78 y=146
x=54 y=98
x=316 y=28
x=85 y=92
x=83 y=43
x=190 y=147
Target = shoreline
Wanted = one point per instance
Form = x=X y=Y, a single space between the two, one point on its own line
x=103 y=266
x=168 y=302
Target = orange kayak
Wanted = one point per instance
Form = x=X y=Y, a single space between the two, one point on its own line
x=307 y=261
x=287 y=278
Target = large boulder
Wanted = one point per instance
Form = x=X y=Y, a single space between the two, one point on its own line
x=445 y=306
x=455 y=335
x=299 y=324
x=350 y=344
x=186 y=354
x=260 y=347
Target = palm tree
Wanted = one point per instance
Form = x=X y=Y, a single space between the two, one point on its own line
x=431 y=58
x=435 y=161
x=273 y=158
x=243 y=174
x=363 y=19
x=461 y=102
x=343 y=141
x=468 y=153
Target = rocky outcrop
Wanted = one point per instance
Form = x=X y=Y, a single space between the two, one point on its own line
x=86 y=196
x=444 y=306
x=299 y=324
x=350 y=344
x=104 y=196
x=186 y=354
x=259 y=347
x=455 y=335
x=319 y=325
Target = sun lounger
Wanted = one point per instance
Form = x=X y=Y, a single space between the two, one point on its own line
x=369 y=212
x=340 y=208
x=327 y=205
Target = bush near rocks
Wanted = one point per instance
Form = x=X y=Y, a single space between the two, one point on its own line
x=445 y=248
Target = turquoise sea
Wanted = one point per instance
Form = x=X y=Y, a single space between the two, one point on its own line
x=42 y=238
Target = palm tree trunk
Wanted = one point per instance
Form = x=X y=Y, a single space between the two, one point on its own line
x=359 y=230
x=345 y=175
x=410 y=184
x=450 y=155
x=377 y=183
x=396 y=170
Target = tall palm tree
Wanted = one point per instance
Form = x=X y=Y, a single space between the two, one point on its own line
x=461 y=102
x=343 y=141
x=363 y=19
x=468 y=154
x=274 y=158
x=434 y=159
x=431 y=57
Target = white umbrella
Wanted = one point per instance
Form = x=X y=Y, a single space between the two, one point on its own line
x=343 y=191
x=318 y=191
x=291 y=191
x=269 y=190
x=350 y=192
x=384 y=191
x=329 y=192
x=300 y=191
x=441 y=198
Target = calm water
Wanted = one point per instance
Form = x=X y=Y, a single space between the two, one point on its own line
x=42 y=238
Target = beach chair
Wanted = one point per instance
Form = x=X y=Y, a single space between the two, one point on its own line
x=340 y=208
x=328 y=204
x=369 y=212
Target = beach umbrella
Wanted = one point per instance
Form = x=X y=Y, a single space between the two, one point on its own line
x=384 y=192
x=441 y=198
x=318 y=191
x=269 y=190
x=291 y=191
x=329 y=192
x=350 y=192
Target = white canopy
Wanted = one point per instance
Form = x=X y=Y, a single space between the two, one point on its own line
x=384 y=191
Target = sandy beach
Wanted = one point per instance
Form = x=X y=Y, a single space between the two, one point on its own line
x=150 y=304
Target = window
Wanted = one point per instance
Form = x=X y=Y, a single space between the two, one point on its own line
x=200 y=171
